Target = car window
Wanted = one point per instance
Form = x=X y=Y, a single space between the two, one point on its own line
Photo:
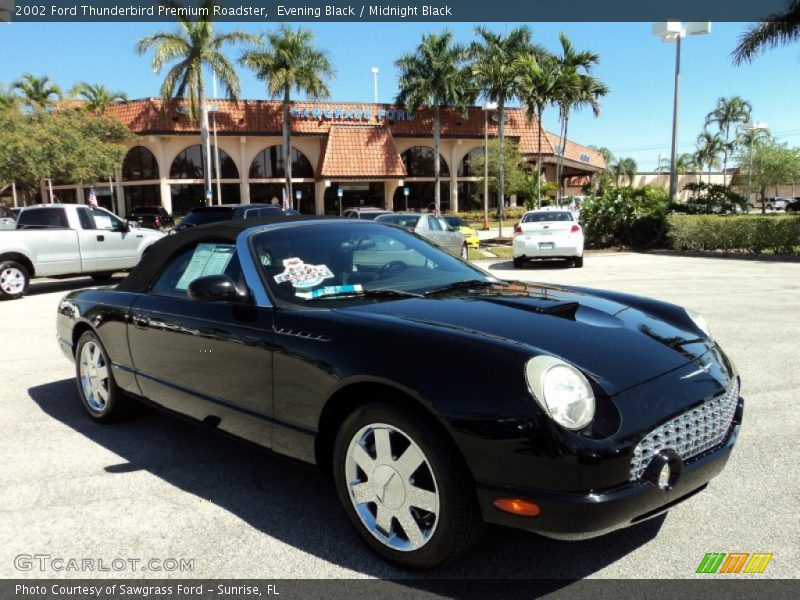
x=105 y=220
x=544 y=217
x=85 y=218
x=434 y=225
x=204 y=259
x=456 y=222
x=47 y=218
x=402 y=220
x=208 y=215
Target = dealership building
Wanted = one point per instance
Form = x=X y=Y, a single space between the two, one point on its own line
x=343 y=155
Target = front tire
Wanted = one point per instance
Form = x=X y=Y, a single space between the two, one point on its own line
x=404 y=487
x=14 y=280
x=519 y=262
x=98 y=391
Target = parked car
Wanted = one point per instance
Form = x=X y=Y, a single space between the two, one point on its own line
x=771 y=203
x=365 y=212
x=460 y=225
x=432 y=228
x=228 y=212
x=548 y=233
x=8 y=219
x=584 y=410
x=65 y=240
x=793 y=206
x=152 y=217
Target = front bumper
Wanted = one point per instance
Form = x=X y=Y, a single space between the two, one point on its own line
x=581 y=515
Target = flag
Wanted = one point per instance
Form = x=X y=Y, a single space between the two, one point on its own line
x=286 y=205
x=92 y=199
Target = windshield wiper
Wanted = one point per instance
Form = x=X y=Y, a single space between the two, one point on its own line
x=469 y=283
x=376 y=293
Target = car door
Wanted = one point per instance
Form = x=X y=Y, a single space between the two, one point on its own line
x=436 y=233
x=117 y=245
x=209 y=360
x=453 y=240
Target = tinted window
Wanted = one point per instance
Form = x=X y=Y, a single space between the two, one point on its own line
x=543 y=217
x=434 y=225
x=402 y=220
x=204 y=259
x=208 y=215
x=85 y=218
x=147 y=210
x=371 y=216
x=50 y=218
x=456 y=222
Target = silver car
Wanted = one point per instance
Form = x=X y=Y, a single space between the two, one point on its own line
x=8 y=219
x=432 y=228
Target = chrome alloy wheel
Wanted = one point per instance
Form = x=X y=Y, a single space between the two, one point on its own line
x=94 y=376
x=392 y=487
x=12 y=281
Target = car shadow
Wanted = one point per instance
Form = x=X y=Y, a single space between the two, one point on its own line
x=535 y=265
x=49 y=286
x=298 y=506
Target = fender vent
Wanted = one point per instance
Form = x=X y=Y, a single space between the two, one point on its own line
x=306 y=335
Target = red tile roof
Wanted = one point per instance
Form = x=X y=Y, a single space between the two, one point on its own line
x=260 y=117
x=360 y=151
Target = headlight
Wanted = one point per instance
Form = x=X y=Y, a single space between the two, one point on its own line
x=561 y=390
x=699 y=321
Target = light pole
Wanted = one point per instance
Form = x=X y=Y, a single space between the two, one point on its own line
x=752 y=126
x=486 y=108
x=375 y=81
x=669 y=32
x=213 y=109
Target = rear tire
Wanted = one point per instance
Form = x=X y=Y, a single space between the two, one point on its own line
x=98 y=391
x=14 y=280
x=519 y=262
x=404 y=487
x=578 y=262
x=102 y=277
x=464 y=252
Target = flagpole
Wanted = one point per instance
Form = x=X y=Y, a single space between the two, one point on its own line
x=216 y=142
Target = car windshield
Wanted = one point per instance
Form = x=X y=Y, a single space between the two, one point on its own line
x=313 y=264
x=207 y=215
x=145 y=210
x=372 y=214
x=542 y=217
x=402 y=220
x=455 y=221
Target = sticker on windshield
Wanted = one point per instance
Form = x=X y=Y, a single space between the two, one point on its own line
x=301 y=275
x=331 y=290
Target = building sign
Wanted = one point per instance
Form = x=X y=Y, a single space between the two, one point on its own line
x=339 y=113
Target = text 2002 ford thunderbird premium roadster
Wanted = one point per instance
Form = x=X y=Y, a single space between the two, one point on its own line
x=437 y=397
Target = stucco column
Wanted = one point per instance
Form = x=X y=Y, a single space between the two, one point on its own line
x=80 y=197
x=120 y=193
x=453 y=191
x=389 y=188
x=319 y=197
x=166 y=196
x=244 y=171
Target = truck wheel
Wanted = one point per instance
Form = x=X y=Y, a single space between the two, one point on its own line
x=102 y=277
x=519 y=262
x=14 y=279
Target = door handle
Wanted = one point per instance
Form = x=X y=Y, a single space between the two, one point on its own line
x=101 y=238
x=141 y=321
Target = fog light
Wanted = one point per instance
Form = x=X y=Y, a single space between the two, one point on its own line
x=664 y=469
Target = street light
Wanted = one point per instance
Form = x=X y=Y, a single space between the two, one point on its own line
x=213 y=109
x=674 y=31
x=486 y=108
x=375 y=81
x=752 y=126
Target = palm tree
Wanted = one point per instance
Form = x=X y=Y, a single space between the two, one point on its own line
x=709 y=147
x=624 y=168
x=7 y=98
x=774 y=30
x=38 y=93
x=190 y=49
x=98 y=97
x=728 y=111
x=495 y=69
x=576 y=88
x=685 y=164
x=434 y=75
x=290 y=62
x=538 y=81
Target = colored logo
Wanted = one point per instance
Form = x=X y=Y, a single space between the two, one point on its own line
x=734 y=562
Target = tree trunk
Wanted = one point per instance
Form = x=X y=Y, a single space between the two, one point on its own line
x=725 y=160
x=501 y=170
x=539 y=111
x=205 y=140
x=287 y=147
x=436 y=160
x=563 y=151
x=560 y=155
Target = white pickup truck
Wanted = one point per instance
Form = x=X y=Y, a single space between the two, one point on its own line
x=65 y=240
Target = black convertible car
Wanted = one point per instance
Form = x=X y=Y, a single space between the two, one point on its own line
x=437 y=397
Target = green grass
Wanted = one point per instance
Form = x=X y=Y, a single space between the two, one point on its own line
x=498 y=251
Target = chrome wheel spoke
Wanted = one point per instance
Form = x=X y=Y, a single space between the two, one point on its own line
x=410 y=527
x=409 y=462
x=383 y=446
x=102 y=373
x=383 y=520
x=362 y=492
x=365 y=462
x=423 y=499
x=101 y=392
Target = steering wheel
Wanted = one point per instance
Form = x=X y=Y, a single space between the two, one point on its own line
x=394 y=266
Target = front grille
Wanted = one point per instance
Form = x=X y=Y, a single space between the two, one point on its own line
x=689 y=434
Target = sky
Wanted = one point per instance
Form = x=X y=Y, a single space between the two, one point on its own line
x=636 y=118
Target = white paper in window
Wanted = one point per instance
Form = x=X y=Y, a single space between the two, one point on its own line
x=208 y=259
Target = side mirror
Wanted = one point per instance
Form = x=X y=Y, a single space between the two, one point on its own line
x=215 y=288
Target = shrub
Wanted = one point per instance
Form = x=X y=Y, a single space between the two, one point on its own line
x=627 y=216
x=743 y=233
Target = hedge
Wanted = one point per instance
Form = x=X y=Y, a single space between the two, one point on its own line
x=735 y=233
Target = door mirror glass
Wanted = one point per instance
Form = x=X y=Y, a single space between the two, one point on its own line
x=215 y=288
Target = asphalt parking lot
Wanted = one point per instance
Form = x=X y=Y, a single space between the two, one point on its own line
x=156 y=487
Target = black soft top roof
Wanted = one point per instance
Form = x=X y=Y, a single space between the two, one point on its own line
x=163 y=250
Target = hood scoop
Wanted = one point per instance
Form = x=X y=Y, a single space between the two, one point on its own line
x=564 y=310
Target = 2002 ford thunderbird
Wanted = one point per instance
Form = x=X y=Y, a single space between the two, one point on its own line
x=436 y=396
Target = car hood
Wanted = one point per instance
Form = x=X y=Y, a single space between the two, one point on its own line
x=618 y=340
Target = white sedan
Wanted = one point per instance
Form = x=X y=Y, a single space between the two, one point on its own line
x=548 y=233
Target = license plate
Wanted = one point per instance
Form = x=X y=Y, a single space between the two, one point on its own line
x=545 y=245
